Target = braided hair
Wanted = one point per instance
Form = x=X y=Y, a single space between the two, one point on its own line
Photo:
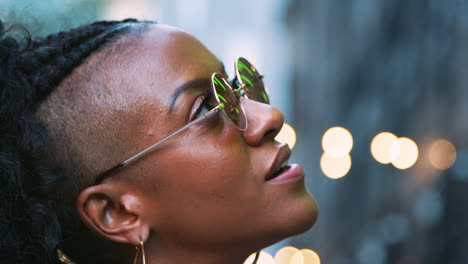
x=31 y=68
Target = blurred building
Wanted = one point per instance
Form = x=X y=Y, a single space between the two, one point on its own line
x=373 y=66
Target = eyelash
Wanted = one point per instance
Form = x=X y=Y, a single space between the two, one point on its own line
x=206 y=102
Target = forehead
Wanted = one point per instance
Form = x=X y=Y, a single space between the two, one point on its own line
x=153 y=64
x=176 y=49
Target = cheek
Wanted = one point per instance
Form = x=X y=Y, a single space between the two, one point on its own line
x=210 y=162
x=201 y=173
x=210 y=185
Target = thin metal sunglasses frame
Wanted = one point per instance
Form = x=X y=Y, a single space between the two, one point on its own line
x=209 y=114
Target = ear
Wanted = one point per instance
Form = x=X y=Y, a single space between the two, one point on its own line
x=114 y=212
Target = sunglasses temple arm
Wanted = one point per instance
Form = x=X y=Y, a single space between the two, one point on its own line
x=211 y=113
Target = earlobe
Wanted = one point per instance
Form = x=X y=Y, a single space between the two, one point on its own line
x=113 y=213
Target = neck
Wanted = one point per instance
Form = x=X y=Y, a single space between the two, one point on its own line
x=167 y=253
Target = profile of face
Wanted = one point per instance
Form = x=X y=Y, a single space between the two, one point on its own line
x=206 y=189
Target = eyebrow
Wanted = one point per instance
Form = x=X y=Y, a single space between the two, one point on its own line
x=197 y=84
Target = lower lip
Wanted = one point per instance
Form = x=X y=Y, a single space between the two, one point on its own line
x=294 y=173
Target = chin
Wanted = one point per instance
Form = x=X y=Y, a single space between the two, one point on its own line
x=303 y=217
x=298 y=219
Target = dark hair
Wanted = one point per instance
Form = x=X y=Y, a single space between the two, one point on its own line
x=30 y=69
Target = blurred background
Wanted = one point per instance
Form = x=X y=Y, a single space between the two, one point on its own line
x=343 y=72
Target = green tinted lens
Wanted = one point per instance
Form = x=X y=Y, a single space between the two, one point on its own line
x=232 y=107
x=251 y=80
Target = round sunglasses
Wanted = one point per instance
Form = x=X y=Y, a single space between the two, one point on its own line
x=248 y=82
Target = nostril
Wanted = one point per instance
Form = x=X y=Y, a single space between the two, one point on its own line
x=270 y=134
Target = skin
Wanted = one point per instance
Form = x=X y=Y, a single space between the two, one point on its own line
x=200 y=196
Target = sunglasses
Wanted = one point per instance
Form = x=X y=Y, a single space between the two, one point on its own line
x=226 y=99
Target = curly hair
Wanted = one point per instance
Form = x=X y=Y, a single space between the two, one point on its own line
x=32 y=209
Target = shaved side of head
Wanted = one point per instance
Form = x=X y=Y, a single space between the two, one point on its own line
x=84 y=113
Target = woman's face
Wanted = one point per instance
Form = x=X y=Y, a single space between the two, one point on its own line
x=205 y=187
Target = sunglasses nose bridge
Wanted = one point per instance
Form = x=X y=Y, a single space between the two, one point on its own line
x=239 y=92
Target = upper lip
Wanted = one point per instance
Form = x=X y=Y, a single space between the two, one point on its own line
x=283 y=154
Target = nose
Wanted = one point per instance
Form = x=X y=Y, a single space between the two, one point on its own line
x=263 y=122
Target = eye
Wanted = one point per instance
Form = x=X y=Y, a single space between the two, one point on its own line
x=203 y=107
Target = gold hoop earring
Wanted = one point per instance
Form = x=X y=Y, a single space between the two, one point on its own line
x=62 y=257
x=143 y=257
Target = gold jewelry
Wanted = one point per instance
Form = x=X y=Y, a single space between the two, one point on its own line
x=143 y=257
x=63 y=258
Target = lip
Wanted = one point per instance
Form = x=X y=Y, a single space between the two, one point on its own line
x=282 y=155
x=292 y=174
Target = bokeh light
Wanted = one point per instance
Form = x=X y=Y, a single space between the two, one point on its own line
x=404 y=153
x=335 y=167
x=286 y=255
x=442 y=154
x=305 y=256
x=264 y=258
x=283 y=256
x=381 y=146
x=337 y=142
x=287 y=135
